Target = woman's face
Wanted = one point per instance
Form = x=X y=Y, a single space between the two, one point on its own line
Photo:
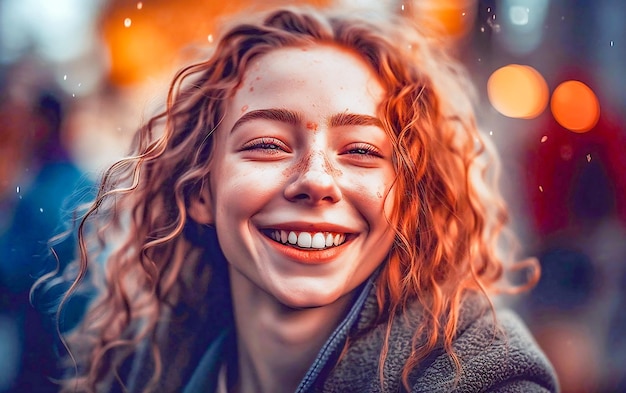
x=300 y=173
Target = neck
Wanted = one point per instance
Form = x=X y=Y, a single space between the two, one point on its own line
x=277 y=344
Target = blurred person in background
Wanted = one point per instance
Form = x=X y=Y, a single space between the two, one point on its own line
x=39 y=186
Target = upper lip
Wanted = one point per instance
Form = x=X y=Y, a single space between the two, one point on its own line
x=309 y=227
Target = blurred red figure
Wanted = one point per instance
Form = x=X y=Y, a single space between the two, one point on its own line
x=576 y=183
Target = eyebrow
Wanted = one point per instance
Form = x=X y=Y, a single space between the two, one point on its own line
x=282 y=115
x=294 y=118
x=353 y=119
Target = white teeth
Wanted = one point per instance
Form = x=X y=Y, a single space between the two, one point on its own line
x=304 y=240
x=317 y=240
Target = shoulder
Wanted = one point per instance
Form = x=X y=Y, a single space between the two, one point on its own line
x=495 y=350
x=497 y=353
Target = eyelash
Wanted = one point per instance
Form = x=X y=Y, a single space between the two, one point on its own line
x=364 y=150
x=264 y=144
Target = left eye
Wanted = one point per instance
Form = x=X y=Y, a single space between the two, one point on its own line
x=362 y=149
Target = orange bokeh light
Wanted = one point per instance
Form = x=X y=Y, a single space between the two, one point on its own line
x=575 y=106
x=518 y=91
x=451 y=18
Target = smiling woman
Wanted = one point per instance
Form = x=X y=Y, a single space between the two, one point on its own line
x=312 y=216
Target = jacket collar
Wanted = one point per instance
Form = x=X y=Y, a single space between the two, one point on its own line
x=361 y=314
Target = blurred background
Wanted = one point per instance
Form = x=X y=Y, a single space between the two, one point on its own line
x=78 y=76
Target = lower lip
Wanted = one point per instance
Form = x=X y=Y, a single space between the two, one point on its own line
x=308 y=256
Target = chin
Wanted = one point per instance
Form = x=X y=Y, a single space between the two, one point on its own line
x=302 y=298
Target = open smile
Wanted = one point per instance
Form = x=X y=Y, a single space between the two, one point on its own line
x=307 y=240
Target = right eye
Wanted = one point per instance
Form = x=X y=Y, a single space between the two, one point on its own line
x=266 y=145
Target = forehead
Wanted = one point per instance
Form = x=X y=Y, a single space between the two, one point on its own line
x=308 y=56
x=310 y=73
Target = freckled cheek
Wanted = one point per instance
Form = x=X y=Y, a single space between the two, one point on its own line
x=370 y=191
x=375 y=194
x=250 y=184
x=240 y=201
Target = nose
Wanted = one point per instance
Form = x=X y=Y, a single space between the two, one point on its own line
x=314 y=181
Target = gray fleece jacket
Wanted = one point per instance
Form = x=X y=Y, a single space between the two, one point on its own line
x=497 y=355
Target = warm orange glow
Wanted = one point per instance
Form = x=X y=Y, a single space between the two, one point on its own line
x=138 y=52
x=518 y=91
x=454 y=18
x=146 y=40
x=575 y=106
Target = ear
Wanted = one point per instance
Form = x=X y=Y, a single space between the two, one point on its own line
x=201 y=205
